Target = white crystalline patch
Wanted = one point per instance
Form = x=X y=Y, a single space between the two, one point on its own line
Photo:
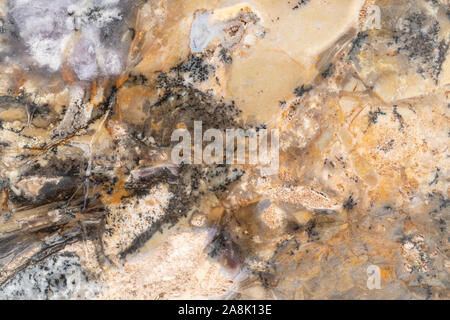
x=201 y=32
x=47 y=27
x=83 y=58
x=105 y=16
x=111 y=63
x=46 y=52
x=60 y=276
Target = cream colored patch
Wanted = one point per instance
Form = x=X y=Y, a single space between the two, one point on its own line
x=177 y=268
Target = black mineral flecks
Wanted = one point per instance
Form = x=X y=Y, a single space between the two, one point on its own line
x=224 y=249
x=349 y=204
x=436 y=177
x=388 y=146
x=187 y=189
x=417 y=37
x=60 y=276
x=328 y=71
x=299 y=4
x=225 y=56
x=220 y=176
x=398 y=117
x=373 y=116
x=300 y=91
x=196 y=68
x=357 y=45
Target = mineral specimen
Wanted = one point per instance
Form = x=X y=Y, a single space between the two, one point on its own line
x=355 y=95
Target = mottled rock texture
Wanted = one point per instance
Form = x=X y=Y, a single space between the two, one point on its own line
x=93 y=207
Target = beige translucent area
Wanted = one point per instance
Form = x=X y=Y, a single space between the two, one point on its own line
x=257 y=86
x=265 y=70
x=307 y=31
x=286 y=57
x=382 y=72
x=389 y=90
x=14 y=114
x=131 y=103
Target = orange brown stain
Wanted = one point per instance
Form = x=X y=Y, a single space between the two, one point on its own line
x=121 y=80
x=387 y=273
x=119 y=191
x=21 y=81
x=215 y=5
x=67 y=73
x=119 y=111
x=93 y=90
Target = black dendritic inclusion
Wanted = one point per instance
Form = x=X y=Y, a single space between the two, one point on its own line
x=225 y=56
x=299 y=4
x=418 y=38
x=179 y=102
x=328 y=71
x=196 y=68
x=373 y=116
x=357 y=45
x=349 y=204
x=300 y=91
